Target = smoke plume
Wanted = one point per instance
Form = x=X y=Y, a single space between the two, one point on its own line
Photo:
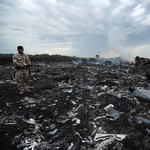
x=117 y=42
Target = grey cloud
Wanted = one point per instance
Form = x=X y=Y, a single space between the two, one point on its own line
x=90 y=45
x=148 y=7
x=8 y=46
x=86 y=25
x=9 y=2
x=139 y=39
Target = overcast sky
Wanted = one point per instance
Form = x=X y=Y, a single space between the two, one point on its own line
x=82 y=28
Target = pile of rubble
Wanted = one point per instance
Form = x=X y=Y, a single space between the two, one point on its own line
x=76 y=106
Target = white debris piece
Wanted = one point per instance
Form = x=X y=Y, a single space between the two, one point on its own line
x=1 y=82
x=36 y=128
x=119 y=95
x=93 y=123
x=141 y=92
x=51 y=105
x=29 y=100
x=70 y=147
x=67 y=90
x=112 y=112
x=111 y=91
x=73 y=102
x=77 y=120
x=30 y=121
x=29 y=144
x=14 y=82
x=108 y=106
x=53 y=132
x=142 y=119
x=80 y=105
x=77 y=133
x=34 y=144
x=71 y=114
x=99 y=117
x=104 y=87
x=103 y=137
x=99 y=94
x=8 y=104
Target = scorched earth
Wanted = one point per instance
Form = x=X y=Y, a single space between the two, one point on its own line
x=84 y=106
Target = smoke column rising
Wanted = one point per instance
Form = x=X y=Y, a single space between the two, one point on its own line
x=116 y=41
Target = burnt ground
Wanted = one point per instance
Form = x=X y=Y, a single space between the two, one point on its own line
x=65 y=109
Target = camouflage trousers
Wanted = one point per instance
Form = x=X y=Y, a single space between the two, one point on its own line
x=22 y=77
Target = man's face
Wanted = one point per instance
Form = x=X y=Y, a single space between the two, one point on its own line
x=20 y=51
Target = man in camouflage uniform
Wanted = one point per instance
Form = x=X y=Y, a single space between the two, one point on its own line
x=22 y=62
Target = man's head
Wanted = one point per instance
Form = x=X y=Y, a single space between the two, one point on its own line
x=20 y=49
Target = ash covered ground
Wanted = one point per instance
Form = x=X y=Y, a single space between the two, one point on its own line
x=84 y=106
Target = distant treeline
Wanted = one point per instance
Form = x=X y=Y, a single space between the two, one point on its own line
x=7 y=58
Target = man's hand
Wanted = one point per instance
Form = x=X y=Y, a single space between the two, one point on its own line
x=27 y=64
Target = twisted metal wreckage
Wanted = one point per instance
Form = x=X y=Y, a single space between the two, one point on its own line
x=74 y=106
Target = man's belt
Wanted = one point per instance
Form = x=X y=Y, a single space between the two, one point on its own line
x=18 y=68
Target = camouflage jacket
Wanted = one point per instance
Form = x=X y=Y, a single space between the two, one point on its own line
x=20 y=60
